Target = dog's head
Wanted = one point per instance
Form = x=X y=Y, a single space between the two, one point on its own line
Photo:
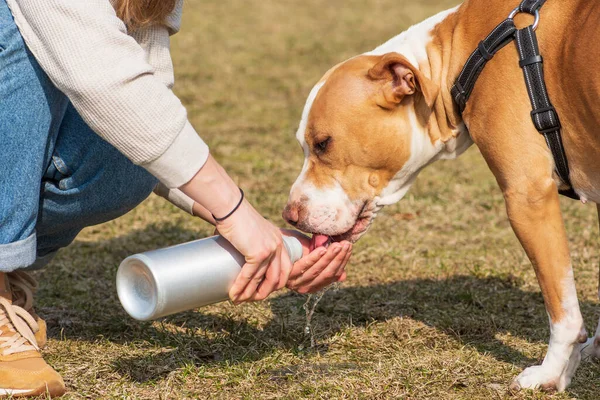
x=364 y=136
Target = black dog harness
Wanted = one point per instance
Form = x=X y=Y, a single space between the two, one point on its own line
x=544 y=115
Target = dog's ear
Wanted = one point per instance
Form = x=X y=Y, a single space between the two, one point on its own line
x=400 y=79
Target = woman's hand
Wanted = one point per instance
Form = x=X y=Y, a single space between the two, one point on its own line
x=267 y=263
x=320 y=267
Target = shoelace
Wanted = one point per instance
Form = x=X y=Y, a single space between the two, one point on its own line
x=23 y=286
x=22 y=324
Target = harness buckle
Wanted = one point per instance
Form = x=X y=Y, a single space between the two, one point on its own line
x=536 y=21
x=547 y=125
x=460 y=96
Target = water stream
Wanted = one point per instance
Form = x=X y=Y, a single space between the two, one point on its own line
x=309 y=308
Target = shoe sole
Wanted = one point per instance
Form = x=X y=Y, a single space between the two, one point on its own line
x=54 y=389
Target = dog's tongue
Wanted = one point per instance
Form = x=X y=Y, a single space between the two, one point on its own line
x=318 y=241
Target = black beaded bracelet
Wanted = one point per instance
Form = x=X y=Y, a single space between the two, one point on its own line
x=232 y=211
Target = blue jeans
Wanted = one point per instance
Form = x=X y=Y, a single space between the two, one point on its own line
x=56 y=175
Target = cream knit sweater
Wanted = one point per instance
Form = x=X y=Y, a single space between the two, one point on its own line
x=120 y=83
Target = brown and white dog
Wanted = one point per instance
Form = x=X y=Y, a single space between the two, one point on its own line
x=374 y=121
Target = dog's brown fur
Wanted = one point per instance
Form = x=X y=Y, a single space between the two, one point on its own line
x=364 y=108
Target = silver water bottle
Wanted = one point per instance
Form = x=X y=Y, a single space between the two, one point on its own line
x=183 y=277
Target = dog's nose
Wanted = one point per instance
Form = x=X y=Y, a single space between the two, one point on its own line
x=290 y=213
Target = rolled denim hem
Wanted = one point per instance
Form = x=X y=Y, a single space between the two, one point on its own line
x=41 y=262
x=19 y=254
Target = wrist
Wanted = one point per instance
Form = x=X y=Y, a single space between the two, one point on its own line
x=213 y=189
x=233 y=210
x=237 y=217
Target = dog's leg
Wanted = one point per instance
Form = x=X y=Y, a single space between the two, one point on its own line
x=523 y=166
x=534 y=213
x=591 y=348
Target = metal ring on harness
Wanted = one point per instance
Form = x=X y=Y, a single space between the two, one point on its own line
x=536 y=21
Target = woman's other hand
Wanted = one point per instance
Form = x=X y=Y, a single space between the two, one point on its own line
x=319 y=267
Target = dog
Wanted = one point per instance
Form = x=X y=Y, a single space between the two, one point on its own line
x=373 y=122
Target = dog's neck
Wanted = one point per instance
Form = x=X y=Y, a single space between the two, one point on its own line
x=445 y=123
x=443 y=135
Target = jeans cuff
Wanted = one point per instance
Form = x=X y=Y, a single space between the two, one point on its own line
x=41 y=261
x=19 y=254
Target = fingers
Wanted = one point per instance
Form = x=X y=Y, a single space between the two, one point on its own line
x=312 y=272
x=332 y=273
x=250 y=277
x=341 y=270
x=329 y=269
x=286 y=269
x=255 y=284
x=271 y=279
x=305 y=263
x=243 y=279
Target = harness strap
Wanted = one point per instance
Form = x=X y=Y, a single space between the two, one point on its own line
x=530 y=6
x=544 y=115
x=487 y=48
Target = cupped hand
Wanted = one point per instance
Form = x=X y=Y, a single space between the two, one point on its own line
x=320 y=267
x=267 y=263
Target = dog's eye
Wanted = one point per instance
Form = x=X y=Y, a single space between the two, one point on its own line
x=321 y=146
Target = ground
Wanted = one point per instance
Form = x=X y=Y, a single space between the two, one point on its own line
x=441 y=301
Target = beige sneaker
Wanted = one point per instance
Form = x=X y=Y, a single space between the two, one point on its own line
x=23 y=372
x=23 y=286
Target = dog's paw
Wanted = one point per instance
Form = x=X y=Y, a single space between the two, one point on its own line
x=590 y=349
x=537 y=377
x=549 y=376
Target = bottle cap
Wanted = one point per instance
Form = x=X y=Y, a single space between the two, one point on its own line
x=293 y=247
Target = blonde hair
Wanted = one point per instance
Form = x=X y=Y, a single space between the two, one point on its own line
x=141 y=13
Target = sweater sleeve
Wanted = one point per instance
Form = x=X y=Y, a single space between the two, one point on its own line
x=155 y=42
x=85 y=50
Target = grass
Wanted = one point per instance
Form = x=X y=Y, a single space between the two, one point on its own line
x=440 y=303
